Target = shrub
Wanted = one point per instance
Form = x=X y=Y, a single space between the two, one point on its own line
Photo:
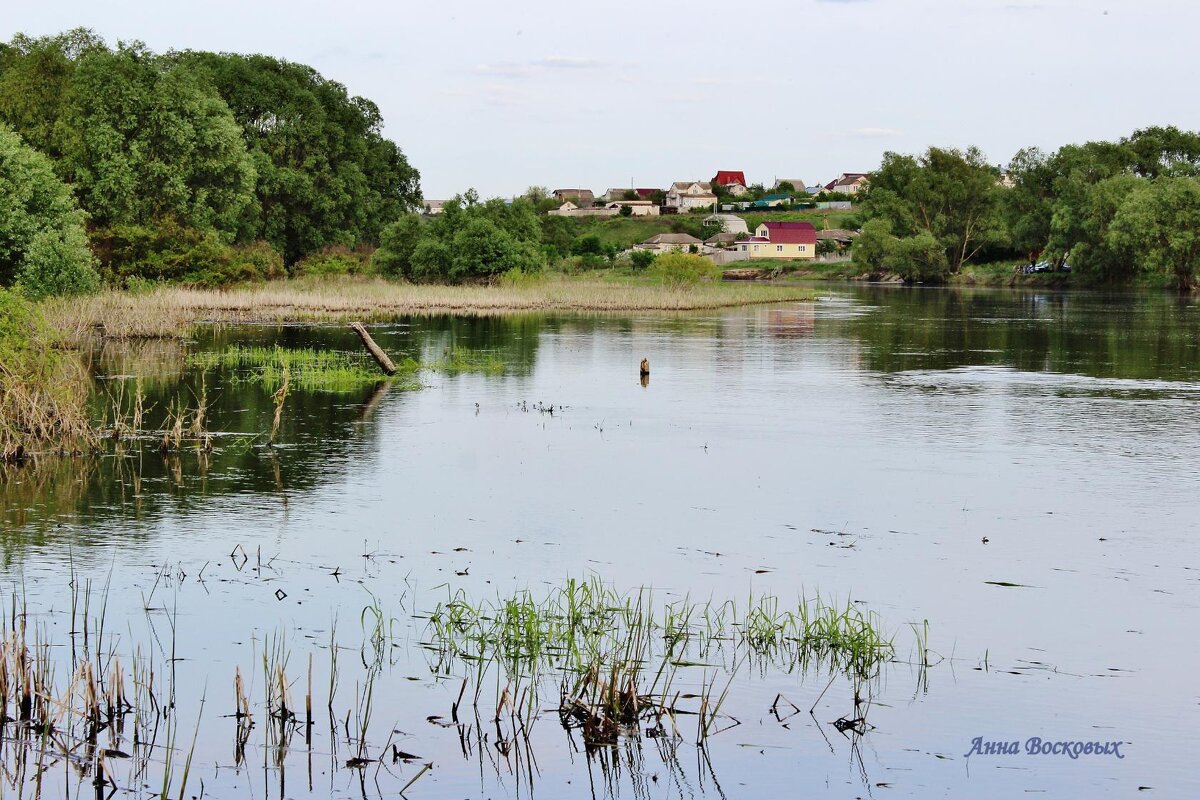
x=683 y=269
x=397 y=244
x=641 y=259
x=258 y=261
x=588 y=244
x=333 y=261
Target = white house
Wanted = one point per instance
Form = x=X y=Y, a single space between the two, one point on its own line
x=667 y=242
x=728 y=223
x=683 y=196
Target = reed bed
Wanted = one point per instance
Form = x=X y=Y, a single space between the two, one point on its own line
x=171 y=311
x=43 y=392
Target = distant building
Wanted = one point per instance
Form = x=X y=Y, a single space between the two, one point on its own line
x=668 y=242
x=729 y=223
x=637 y=208
x=580 y=197
x=432 y=207
x=848 y=183
x=683 y=196
x=772 y=201
x=613 y=195
x=733 y=181
x=797 y=184
x=569 y=209
x=723 y=239
x=781 y=240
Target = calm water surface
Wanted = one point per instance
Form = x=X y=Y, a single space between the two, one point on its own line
x=911 y=450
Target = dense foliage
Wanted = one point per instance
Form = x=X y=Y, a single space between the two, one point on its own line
x=182 y=161
x=1111 y=211
x=469 y=240
x=43 y=245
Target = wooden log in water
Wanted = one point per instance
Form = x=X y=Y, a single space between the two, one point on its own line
x=375 y=350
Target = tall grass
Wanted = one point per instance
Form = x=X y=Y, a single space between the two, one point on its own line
x=171 y=311
x=43 y=392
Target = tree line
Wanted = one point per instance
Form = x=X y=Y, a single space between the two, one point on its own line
x=1109 y=211
x=118 y=163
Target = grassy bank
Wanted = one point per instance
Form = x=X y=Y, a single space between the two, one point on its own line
x=171 y=311
x=625 y=232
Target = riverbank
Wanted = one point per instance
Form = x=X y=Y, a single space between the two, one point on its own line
x=172 y=311
x=994 y=274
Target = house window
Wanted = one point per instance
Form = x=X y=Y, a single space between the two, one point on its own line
x=778 y=248
x=802 y=248
x=756 y=248
x=743 y=248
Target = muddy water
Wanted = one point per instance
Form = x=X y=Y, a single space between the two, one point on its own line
x=1019 y=469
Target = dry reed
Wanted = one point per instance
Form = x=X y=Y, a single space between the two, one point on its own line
x=171 y=311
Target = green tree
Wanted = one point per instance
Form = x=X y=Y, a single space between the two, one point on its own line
x=43 y=244
x=326 y=174
x=949 y=194
x=1157 y=227
x=146 y=141
x=397 y=244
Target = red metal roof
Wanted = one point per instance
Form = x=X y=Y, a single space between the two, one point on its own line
x=726 y=177
x=791 y=232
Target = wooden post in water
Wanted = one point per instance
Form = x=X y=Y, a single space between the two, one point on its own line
x=376 y=352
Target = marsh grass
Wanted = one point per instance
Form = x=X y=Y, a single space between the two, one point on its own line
x=582 y=622
x=43 y=391
x=307 y=369
x=172 y=311
x=460 y=360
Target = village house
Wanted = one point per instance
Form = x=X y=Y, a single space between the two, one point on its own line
x=683 y=196
x=580 y=197
x=433 y=208
x=848 y=183
x=797 y=184
x=569 y=209
x=781 y=240
x=668 y=242
x=613 y=195
x=732 y=181
x=728 y=223
x=637 y=208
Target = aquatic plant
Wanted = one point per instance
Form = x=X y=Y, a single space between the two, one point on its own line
x=303 y=369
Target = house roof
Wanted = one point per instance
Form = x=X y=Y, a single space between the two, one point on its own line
x=683 y=186
x=580 y=193
x=796 y=182
x=672 y=238
x=791 y=232
x=722 y=238
x=728 y=177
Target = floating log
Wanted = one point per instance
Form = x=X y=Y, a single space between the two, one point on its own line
x=376 y=352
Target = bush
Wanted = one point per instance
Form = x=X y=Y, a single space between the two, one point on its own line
x=588 y=244
x=258 y=261
x=517 y=278
x=683 y=269
x=641 y=259
x=165 y=251
x=397 y=243
x=53 y=265
x=333 y=261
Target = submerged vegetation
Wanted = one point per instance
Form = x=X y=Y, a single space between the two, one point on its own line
x=305 y=369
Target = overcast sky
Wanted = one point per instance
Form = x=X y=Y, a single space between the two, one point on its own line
x=500 y=96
